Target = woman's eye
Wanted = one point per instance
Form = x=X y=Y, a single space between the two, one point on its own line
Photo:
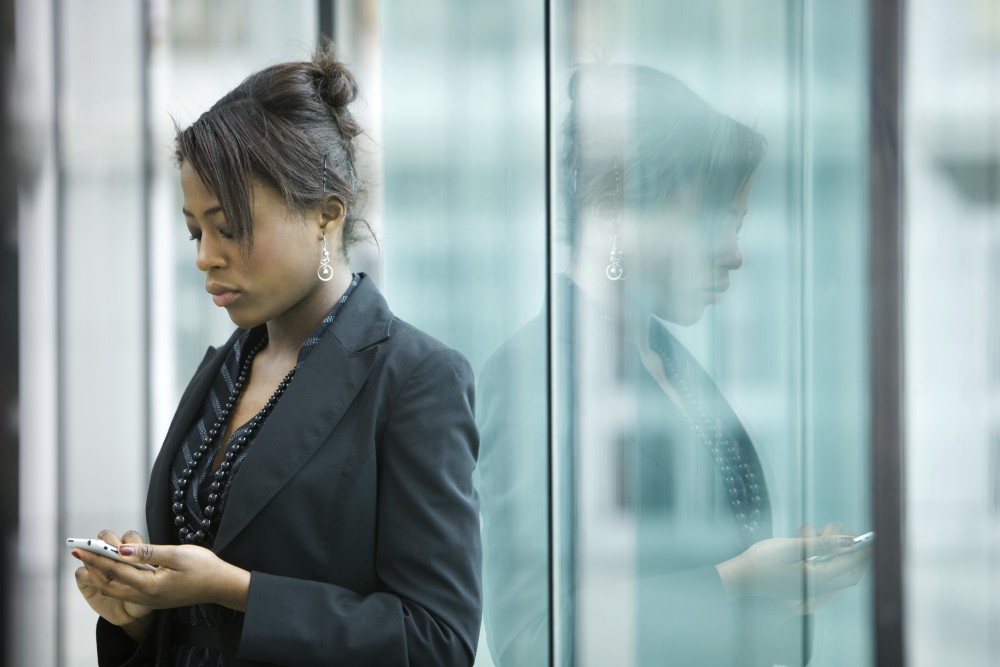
x=226 y=234
x=195 y=236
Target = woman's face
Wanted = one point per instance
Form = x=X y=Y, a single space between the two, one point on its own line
x=278 y=278
x=683 y=267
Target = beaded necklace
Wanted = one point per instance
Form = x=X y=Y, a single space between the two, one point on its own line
x=744 y=490
x=191 y=470
x=195 y=534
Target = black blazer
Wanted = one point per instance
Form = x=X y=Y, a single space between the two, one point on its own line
x=354 y=510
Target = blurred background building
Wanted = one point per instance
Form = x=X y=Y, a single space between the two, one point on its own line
x=860 y=344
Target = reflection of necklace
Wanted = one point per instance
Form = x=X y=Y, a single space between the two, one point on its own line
x=739 y=476
x=240 y=440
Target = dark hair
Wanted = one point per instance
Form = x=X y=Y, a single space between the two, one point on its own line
x=287 y=127
x=639 y=135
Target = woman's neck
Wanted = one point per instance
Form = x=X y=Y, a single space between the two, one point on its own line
x=287 y=333
x=611 y=298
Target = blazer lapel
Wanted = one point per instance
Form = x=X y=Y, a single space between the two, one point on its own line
x=322 y=391
x=158 y=496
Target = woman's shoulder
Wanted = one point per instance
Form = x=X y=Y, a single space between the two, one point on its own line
x=411 y=344
x=374 y=322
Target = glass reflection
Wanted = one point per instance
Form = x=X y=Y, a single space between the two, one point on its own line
x=656 y=186
x=512 y=414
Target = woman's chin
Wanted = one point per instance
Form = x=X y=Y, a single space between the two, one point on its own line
x=242 y=319
x=686 y=315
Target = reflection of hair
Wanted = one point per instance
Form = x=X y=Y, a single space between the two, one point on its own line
x=638 y=135
x=288 y=127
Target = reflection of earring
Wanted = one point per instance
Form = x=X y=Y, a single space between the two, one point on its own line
x=616 y=267
x=325 y=271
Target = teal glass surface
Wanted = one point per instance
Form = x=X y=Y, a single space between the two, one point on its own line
x=952 y=303
x=709 y=310
x=463 y=256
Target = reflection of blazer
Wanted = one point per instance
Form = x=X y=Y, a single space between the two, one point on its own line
x=354 y=510
x=682 y=613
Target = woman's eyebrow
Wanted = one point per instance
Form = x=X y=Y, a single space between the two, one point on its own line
x=208 y=212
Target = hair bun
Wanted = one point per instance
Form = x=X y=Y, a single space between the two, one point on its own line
x=335 y=84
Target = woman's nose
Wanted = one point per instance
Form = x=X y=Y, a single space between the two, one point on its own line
x=728 y=253
x=208 y=257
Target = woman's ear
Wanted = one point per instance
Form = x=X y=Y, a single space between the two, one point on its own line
x=333 y=214
x=607 y=210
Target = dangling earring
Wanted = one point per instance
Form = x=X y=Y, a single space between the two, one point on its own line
x=616 y=266
x=325 y=271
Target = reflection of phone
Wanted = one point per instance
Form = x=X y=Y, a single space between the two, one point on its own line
x=102 y=548
x=865 y=538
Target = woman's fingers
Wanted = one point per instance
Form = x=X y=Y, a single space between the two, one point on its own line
x=132 y=537
x=148 y=554
x=832 y=528
x=827 y=545
x=838 y=572
x=110 y=537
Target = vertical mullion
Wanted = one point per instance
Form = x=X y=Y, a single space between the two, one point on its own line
x=146 y=235
x=60 y=336
x=327 y=18
x=552 y=458
x=9 y=346
x=800 y=174
x=886 y=324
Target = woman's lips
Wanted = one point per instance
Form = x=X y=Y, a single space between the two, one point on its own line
x=714 y=293
x=222 y=295
x=224 y=299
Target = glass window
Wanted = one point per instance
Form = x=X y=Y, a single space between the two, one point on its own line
x=644 y=222
x=464 y=257
x=709 y=333
x=952 y=208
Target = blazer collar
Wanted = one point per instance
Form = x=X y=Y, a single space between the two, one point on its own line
x=322 y=391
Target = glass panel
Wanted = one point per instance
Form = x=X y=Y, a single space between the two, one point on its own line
x=464 y=239
x=237 y=38
x=101 y=291
x=835 y=424
x=102 y=318
x=33 y=600
x=952 y=208
x=695 y=424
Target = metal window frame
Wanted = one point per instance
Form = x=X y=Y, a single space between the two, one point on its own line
x=9 y=343
x=886 y=322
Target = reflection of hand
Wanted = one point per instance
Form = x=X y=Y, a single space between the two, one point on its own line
x=781 y=568
x=133 y=618
x=184 y=575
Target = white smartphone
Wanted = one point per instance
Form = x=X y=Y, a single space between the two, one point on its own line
x=103 y=548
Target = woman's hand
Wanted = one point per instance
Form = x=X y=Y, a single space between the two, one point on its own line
x=132 y=618
x=800 y=569
x=184 y=574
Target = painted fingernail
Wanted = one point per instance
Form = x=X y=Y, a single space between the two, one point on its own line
x=75 y=554
x=126 y=550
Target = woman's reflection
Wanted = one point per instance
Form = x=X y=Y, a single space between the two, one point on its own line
x=656 y=184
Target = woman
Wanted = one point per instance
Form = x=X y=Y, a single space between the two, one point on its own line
x=312 y=503
x=655 y=186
